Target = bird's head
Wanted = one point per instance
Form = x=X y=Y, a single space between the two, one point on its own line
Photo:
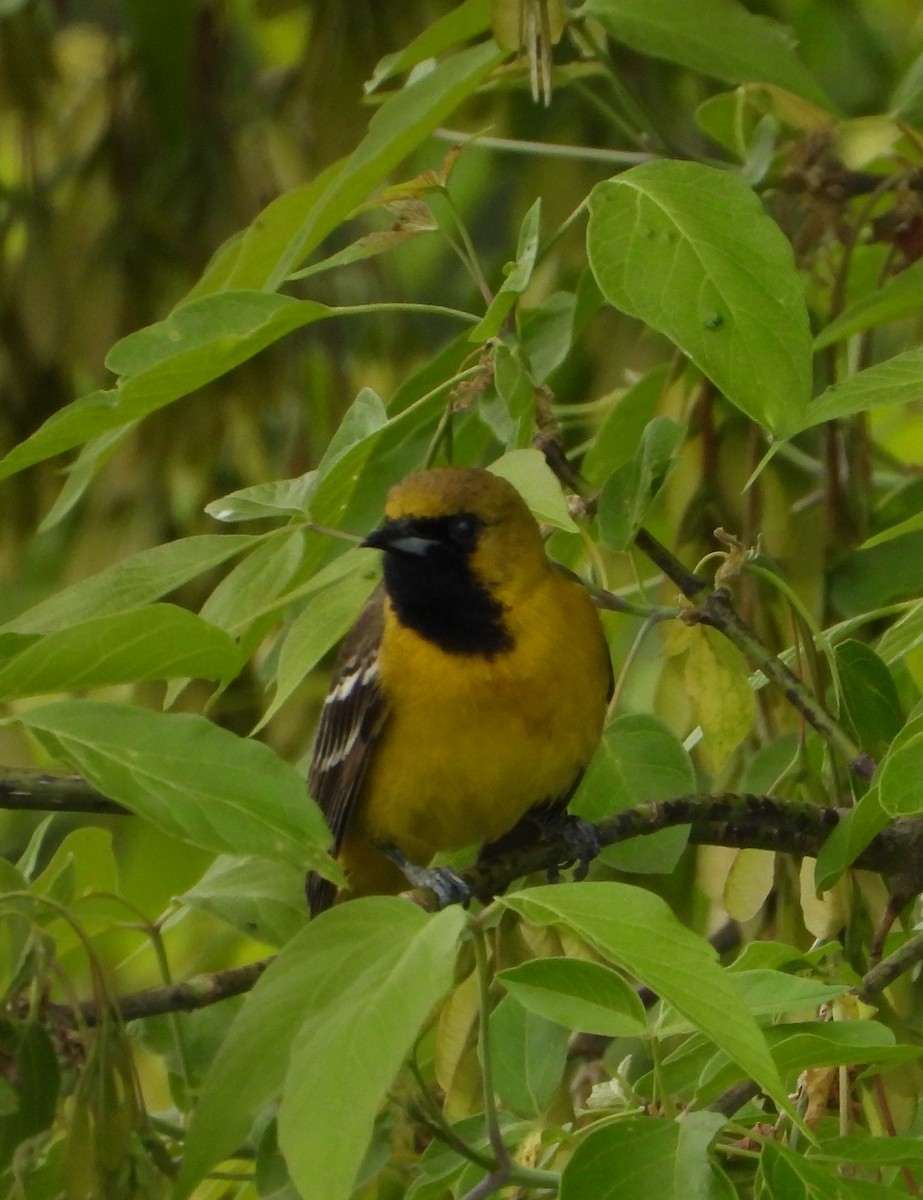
x=452 y=519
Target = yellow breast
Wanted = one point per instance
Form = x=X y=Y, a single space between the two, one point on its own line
x=473 y=743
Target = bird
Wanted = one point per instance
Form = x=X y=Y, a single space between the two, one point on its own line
x=470 y=694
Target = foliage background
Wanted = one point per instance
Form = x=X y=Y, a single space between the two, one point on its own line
x=135 y=140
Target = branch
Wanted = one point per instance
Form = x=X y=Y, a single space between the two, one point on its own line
x=744 y=821
x=739 y=820
x=25 y=789
x=198 y=992
x=885 y=973
x=716 y=610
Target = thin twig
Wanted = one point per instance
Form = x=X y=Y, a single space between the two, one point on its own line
x=717 y=610
x=24 y=789
x=191 y=994
x=884 y=973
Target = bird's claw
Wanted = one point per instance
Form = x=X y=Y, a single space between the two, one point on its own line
x=582 y=842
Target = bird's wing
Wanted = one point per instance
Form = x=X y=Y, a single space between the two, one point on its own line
x=352 y=716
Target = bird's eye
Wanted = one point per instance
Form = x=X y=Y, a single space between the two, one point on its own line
x=463 y=529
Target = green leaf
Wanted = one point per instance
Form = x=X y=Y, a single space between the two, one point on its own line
x=328 y=1025
x=264 y=900
x=82 y=471
x=462 y=22
x=696 y=1177
x=280 y=498
x=798 y=1046
x=899 y=777
x=194 y=780
x=133 y=582
x=897 y=1150
x=82 y=864
x=519 y=273
x=324 y=620
x=769 y=993
x=853 y=832
x=289 y=228
x=639 y=759
x=870 y=702
x=157 y=642
x=894 y=381
x=834 y=1044
x=618 y=438
x=864 y=580
x=631 y=1158
x=199 y=341
x=195 y=344
x=578 y=995
x=531 y=476
x=630 y=489
x=510 y=413
x=529 y=1055
x=717 y=682
x=896 y=298
x=370 y=1017
x=256 y=583
x=689 y=250
x=547 y=332
x=86 y=418
x=904 y=636
x=717 y=37
x=638 y=933
x=911 y=525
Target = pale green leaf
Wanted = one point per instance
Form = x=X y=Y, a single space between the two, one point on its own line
x=623 y=1161
x=897 y=380
x=195 y=780
x=133 y=582
x=264 y=900
x=292 y=226
x=637 y=932
x=324 y=620
x=896 y=298
x=460 y=23
x=529 y=1055
x=638 y=760
x=630 y=489
x=718 y=685
x=157 y=642
x=578 y=995
x=531 y=476
x=519 y=273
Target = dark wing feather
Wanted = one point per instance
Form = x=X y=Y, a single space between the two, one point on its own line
x=350 y=720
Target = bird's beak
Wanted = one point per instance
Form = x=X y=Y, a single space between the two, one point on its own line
x=401 y=537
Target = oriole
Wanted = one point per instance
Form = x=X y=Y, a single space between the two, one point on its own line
x=470 y=692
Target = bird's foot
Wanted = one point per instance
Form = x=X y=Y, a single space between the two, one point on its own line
x=579 y=837
x=448 y=887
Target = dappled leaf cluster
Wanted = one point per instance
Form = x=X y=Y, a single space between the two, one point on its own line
x=688 y=331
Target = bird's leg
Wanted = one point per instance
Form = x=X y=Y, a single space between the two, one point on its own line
x=448 y=887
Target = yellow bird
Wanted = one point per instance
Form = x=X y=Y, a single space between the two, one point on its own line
x=469 y=695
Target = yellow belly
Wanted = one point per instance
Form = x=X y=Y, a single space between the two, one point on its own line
x=472 y=744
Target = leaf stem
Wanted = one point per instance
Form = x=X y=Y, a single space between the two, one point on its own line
x=491 y=1116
